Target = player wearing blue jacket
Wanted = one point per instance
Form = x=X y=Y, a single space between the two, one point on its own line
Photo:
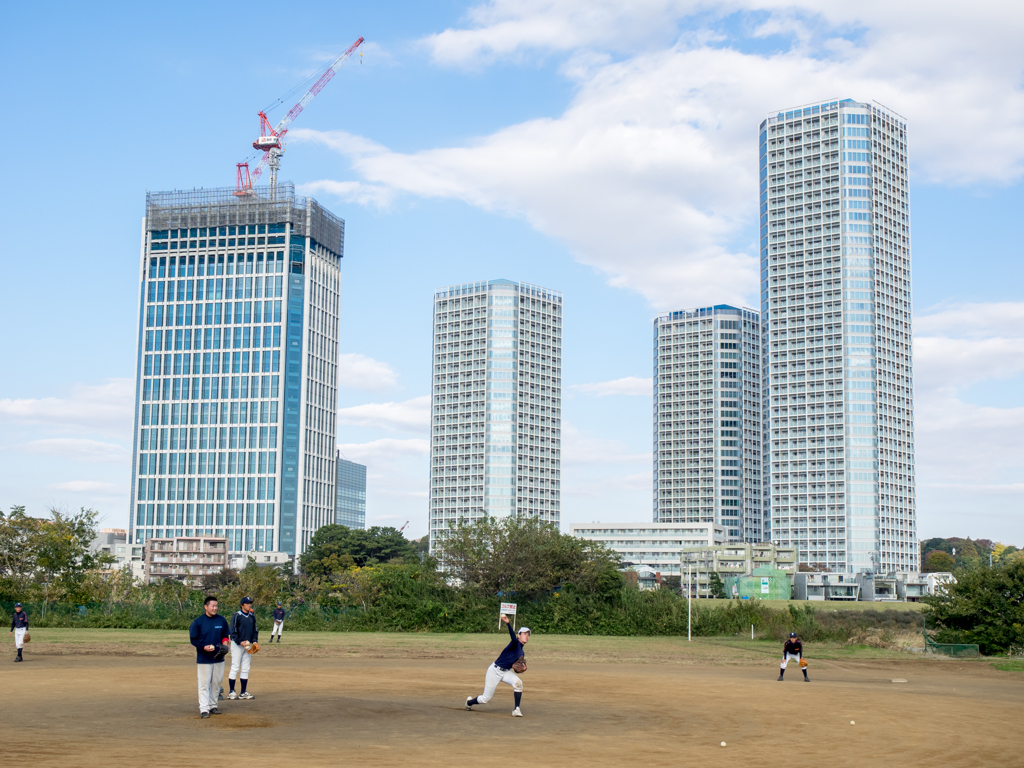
x=501 y=670
x=210 y=636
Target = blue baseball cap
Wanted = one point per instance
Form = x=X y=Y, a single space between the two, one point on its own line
x=246 y=600
x=17 y=605
x=792 y=634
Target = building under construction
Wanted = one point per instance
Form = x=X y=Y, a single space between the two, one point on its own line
x=235 y=406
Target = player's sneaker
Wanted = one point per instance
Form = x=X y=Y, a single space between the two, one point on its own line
x=203 y=715
x=516 y=712
x=232 y=695
x=780 y=678
x=246 y=695
x=214 y=711
x=468 y=705
x=807 y=679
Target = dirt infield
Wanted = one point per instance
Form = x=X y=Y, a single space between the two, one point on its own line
x=107 y=697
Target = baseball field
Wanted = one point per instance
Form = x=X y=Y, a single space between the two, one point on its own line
x=110 y=697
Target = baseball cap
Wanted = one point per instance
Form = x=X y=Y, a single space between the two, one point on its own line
x=17 y=605
x=246 y=600
x=792 y=634
x=278 y=603
x=524 y=629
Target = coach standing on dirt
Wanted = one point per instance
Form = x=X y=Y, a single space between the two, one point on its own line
x=244 y=635
x=209 y=634
x=19 y=628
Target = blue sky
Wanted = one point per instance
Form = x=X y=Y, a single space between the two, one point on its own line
x=606 y=150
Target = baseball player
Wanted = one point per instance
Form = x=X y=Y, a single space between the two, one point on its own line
x=209 y=634
x=19 y=628
x=278 y=628
x=793 y=649
x=244 y=635
x=504 y=669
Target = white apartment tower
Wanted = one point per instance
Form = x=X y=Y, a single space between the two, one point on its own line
x=707 y=420
x=837 y=357
x=496 y=404
x=236 y=406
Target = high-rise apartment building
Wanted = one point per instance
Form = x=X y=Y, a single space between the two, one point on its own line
x=707 y=420
x=350 y=509
x=235 y=414
x=496 y=403
x=837 y=358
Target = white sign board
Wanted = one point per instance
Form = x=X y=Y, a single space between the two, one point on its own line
x=507 y=609
x=764 y=585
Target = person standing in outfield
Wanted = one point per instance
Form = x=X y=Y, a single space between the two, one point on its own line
x=244 y=635
x=793 y=649
x=278 y=628
x=504 y=669
x=209 y=634
x=19 y=628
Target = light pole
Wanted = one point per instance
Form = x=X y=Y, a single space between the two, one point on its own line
x=688 y=611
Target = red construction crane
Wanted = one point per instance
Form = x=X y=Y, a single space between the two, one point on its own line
x=404 y=526
x=271 y=141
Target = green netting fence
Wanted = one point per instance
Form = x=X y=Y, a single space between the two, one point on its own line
x=953 y=650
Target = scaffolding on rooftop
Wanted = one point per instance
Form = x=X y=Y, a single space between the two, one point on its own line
x=223 y=207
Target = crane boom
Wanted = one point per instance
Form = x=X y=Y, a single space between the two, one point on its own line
x=318 y=86
x=271 y=140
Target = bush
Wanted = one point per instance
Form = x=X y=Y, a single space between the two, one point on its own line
x=985 y=606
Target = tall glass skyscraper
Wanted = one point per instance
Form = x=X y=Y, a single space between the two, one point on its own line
x=707 y=419
x=350 y=509
x=496 y=404
x=235 y=412
x=837 y=357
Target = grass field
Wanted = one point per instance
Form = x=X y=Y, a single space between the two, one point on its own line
x=103 y=697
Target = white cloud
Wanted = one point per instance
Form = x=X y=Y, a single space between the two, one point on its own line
x=967 y=319
x=386 y=449
x=960 y=344
x=630 y=385
x=370 y=195
x=581 y=449
x=362 y=372
x=77 y=450
x=409 y=416
x=649 y=174
x=91 y=486
x=107 y=407
x=968 y=466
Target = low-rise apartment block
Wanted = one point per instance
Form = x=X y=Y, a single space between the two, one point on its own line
x=657 y=546
x=188 y=559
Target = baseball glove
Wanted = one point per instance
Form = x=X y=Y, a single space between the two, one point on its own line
x=803 y=663
x=27 y=638
x=520 y=665
x=220 y=653
x=254 y=648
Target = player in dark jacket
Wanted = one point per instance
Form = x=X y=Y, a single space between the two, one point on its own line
x=244 y=633
x=793 y=649
x=209 y=634
x=501 y=670
x=19 y=628
x=278 y=628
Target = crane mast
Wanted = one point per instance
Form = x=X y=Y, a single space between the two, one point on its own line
x=271 y=140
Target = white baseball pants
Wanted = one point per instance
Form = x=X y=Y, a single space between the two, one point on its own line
x=789 y=656
x=240 y=660
x=19 y=637
x=495 y=676
x=277 y=630
x=210 y=676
